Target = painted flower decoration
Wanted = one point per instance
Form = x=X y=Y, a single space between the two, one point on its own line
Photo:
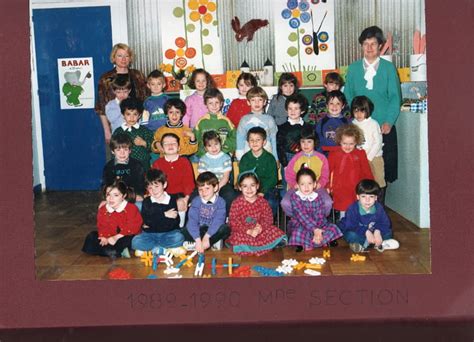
x=296 y=12
x=202 y=10
x=181 y=54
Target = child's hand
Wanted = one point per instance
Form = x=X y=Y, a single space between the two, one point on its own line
x=205 y=242
x=318 y=236
x=182 y=204
x=258 y=229
x=138 y=141
x=145 y=226
x=190 y=135
x=158 y=147
x=260 y=194
x=171 y=213
x=107 y=136
x=113 y=239
x=199 y=246
x=101 y=204
x=369 y=236
x=377 y=238
x=103 y=241
x=139 y=198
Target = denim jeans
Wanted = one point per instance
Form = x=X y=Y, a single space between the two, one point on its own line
x=350 y=236
x=148 y=241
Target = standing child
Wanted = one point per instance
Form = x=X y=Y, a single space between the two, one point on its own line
x=153 y=114
x=118 y=221
x=196 y=108
x=287 y=86
x=347 y=167
x=366 y=221
x=121 y=87
x=240 y=106
x=175 y=110
x=206 y=224
x=251 y=220
x=257 y=98
x=160 y=217
x=308 y=228
x=141 y=136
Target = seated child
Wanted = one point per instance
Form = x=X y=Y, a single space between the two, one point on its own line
x=206 y=218
x=309 y=228
x=141 y=136
x=178 y=171
x=214 y=120
x=153 y=114
x=366 y=221
x=263 y=163
x=118 y=221
x=326 y=128
x=175 y=109
x=251 y=220
x=220 y=164
x=123 y=167
x=240 y=106
x=121 y=87
x=347 y=167
x=257 y=98
x=160 y=227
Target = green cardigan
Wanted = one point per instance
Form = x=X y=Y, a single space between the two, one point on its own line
x=265 y=167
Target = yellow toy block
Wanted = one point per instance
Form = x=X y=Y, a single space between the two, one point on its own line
x=188 y=263
x=327 y=254
x=357 y=257
x=314 y=266
x=300 y=265
x=147 y=258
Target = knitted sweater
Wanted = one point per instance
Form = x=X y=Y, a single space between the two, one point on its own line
x=315 y=161
x=153 y=214
x=132 y=173
x=114 y=114
x=359 y=221
x=186 y=146
x=179 y=173
x=200 y=214
x=125 y=220
x=153 y=115
x=265 y=167
x=256 y=120
x=288 y=140
x=195 y=109
x=140 y=153
x=238 y=108
x=222 y=125
x=277 y=110
x=372 y=137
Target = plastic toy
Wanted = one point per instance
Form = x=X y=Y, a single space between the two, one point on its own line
x=357 y=257
x=199 y=266
x=152 y=276
x=243 y=271
x=176 y=276
x=300 y=265
x=119 y=273
x=213 y=266
x=317 y=260
x=147 y=259
x=267 y=272
x=189 y=262
x=190 y=257
x=312 y=272
x=171 y=270
x=327 y=253
x=167 y=258
x=155 y=262
x=206 y=276
x=314 y=266
x=290 y=262
x=230 y=265
x=287 y=269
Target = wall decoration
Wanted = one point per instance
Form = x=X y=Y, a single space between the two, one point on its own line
x=248 y=29
x=304 y=35
x=231 y=77
x=76 y=83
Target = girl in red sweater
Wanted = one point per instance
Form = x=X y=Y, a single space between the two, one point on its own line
x=240 y=106
x=118 y=221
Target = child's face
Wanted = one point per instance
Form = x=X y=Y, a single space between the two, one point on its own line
x=207 y=191
x=348 y=143
x=287 y=88
x=131 y=117
x=174 y=115
x=335 y=107
x=156 y=85
x=200 y=82
x=307 y=145
x=213 y=147
x=367 y=201
x=243 y=87
x=331 y=86
x=121 y=153
x=156 y=189
x=249 y=187
x=294 y=111
x=114 y=197
x=306 y=184
x=359 y=115
x=170 y=146
x=256 y=142
x=213 y=105
x=121 y=94
x=257 y=104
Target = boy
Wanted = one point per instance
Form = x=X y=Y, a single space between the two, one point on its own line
x=366 y=221
x=175 y=110
x=319 y=109
x=214 y=120
x=141 y=136
x=257 y=99
x=263 y=163
x=206 y=218
x=121 y=87
x=153 y=114
x=160 y=227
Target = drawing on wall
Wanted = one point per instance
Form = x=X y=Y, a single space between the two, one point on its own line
x=304 y=35
x=76 y=83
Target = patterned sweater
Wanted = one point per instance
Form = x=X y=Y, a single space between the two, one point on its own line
x=186 y=146
x=206 y=214
x=140 y=153
x=222 y=125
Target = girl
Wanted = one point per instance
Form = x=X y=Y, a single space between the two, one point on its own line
x=251 y=220
x=240 y=106
x=200 y=80
x=287 y=86
x=347 y=167
x=308 y=228
x=118 y=221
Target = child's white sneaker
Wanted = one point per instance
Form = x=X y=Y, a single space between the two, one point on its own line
x=390 y=244
x=189 y=246
x=125 y=253
x=217 y=246
x=356 y=247
x=139 y=253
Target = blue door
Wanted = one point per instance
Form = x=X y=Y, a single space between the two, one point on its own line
x=73 y=139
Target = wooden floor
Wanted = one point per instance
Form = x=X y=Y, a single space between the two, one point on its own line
x=63 y=219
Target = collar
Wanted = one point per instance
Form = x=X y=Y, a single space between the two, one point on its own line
x=129 y=129
x=217 y=156
x=120 y=208
x=373 y=65
x=165 y=200
x=121 y=163
x=212 y=200
x=311 y=197
x=362 y=211
x=242 y=97
x=117 y=101
x=179 y=125
x=171 y=160
x=298 y=122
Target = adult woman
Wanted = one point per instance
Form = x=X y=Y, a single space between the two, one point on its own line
x=121 y=56
x=377 y=79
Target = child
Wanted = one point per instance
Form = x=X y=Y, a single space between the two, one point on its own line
x=313 y=160
x=153 y=114
x=118 y=221
x=326 y=128
x=257 y=99
x=123 y=167
x=200 y=80
x=308 y=228
x=319 y=108
x=289 y=133
x=214 y=120
x=206 y=219
x=251 y=220
x=362 y=108
x=141 y=136
x=175 y=109
x=263 y=164
x=220 y=164
x=121 y=87
x=160 y=227
x=347 y=166
x=366 y=222
x=240 y=106
x=178 y=171
x=287 y=86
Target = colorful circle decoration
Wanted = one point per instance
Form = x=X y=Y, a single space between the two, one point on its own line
x=170 y=54
x=297 y=12
x=294 y=23
x=308 y=50
x=292 y=4
x=286 y=13
x=323 y=47
x=311 y=76
x=305 y=17
x=180 y=42
x=201 y=10
x=181 y=62
x=190 y=52
x=307 y=39
x=304 y=5
x=323 y=36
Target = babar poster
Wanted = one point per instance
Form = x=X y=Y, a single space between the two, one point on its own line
x=76 y=83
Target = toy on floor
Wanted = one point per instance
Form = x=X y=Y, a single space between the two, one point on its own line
x=314 y=266
x=147 y=259
x=152 y=276
x=119 y=273
x=199 y=266
x=176 y=276
x=357 y=257
x=327 y=254
x=171 y=270
x=267 y=272
x=242 y=271
x=317 y=260
x=189 y=262
x=190 y=257
x=230 y=266
x=312 y=272
x=166 y=258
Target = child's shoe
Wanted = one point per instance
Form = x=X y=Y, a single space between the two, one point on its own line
x=388 y=245
x=125 y=253
x=356 y=247
x=217 y=246
x=189 y=246
x=139 y=253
